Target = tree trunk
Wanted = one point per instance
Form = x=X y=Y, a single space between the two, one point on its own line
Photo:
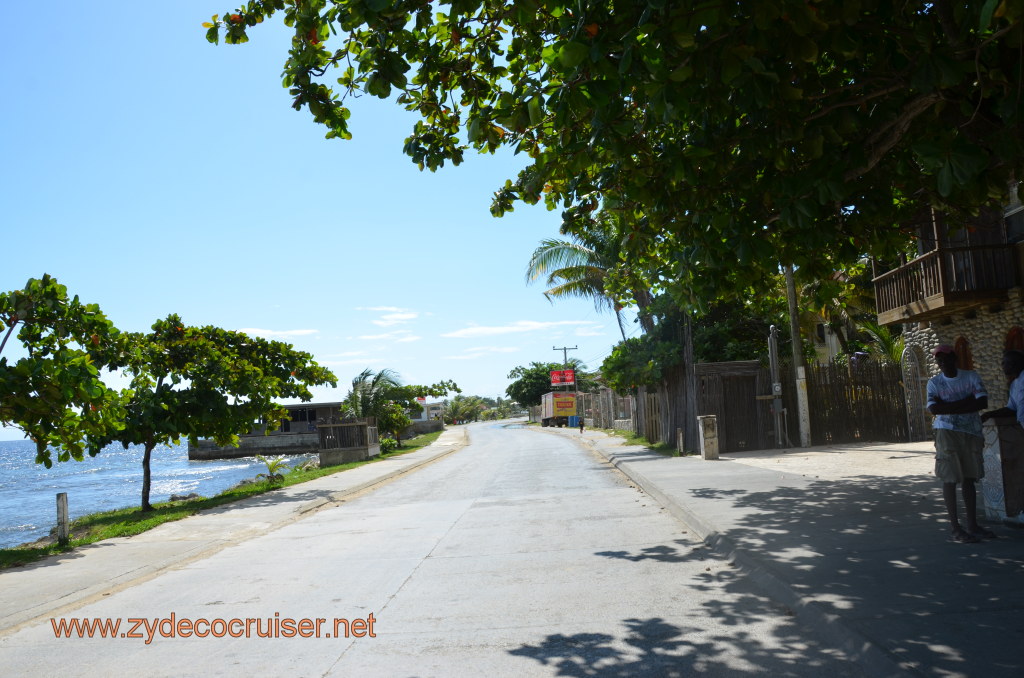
x=690 y=433
x=146 y=506
x=618 y=319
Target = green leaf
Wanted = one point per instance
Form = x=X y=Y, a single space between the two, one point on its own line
x=944 y=180
x=985 y=18
x=731 y=68
x=681 y=74
x=534 y=109
x=571 y=54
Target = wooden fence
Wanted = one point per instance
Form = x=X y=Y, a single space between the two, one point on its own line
x=350 y=433
x=860 y=402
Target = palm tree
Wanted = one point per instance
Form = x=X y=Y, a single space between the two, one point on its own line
x=370 y=392
x=580 y=266
x=886 y=347
x=463 y=408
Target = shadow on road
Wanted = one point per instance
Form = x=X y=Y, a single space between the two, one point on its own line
x=656 y=648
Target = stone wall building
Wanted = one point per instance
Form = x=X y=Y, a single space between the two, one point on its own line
x=964 y=289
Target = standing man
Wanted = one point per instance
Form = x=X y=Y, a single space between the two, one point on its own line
x=955 y=397
x=1013 y=368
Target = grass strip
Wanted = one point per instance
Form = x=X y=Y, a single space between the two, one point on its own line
x=131 y=521
x=632 y=438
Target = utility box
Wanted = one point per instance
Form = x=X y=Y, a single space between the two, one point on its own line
x=707 y=425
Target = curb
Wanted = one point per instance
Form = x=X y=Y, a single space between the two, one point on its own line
x=342 y=495
x=73 y=600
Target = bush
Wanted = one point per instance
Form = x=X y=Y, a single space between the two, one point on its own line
x=388 y=445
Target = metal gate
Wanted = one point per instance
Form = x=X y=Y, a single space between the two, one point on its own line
x=915 y=387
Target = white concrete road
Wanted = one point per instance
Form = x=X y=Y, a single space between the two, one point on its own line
x=522 y=554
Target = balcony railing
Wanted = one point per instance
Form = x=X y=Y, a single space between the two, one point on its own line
x=945 y=280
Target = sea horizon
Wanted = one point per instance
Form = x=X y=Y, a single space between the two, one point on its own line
x=111 y=480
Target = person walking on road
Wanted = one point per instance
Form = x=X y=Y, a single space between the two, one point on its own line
x=956 y=397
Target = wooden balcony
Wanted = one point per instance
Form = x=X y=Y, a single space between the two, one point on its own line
x=946 y=281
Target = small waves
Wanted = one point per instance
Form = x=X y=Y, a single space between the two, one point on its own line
x=111 y=480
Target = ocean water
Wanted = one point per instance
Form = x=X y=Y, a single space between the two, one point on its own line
x=110 y=480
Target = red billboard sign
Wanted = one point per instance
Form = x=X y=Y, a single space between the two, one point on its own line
x=563 y=377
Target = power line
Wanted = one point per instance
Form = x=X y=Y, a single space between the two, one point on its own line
x=565 y=354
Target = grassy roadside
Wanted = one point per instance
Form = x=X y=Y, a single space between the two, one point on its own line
x=635 y=439
x=632 y=438
x=130 y=521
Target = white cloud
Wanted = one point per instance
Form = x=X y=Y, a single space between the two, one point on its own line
x=397 y=335
x=480 y=352
x=514 y=328
x=590 y=331
x=395 y=319
x=383 y=309
x=272 y=334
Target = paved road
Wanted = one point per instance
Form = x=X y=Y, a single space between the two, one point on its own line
x=520 y=555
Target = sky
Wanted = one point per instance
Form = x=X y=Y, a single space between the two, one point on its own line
x=154 y=173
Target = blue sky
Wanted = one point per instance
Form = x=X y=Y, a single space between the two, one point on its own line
x=154 y=173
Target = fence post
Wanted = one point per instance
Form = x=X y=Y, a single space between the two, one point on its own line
x=63 y=533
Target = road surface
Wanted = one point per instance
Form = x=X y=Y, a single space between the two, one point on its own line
x=523 y=554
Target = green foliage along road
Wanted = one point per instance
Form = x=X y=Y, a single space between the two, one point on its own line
x=54 y=392
x=534 y=380
x=192 y=382
x=206 y=382
x=733 y=136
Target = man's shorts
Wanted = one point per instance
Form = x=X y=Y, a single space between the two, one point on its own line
x=958 y=456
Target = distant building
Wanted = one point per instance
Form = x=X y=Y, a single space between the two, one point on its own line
x=297 y=435
x=430 y=412
x=431 y=418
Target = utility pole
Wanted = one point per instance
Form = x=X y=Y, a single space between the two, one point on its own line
x=565 y=366
x=565 y=354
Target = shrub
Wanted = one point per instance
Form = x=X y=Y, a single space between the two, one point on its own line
x=275 y=469
x=388 y=445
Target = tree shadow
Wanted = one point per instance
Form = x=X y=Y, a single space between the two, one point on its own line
x=875 y=552
x=656 y=648
x=662 y=553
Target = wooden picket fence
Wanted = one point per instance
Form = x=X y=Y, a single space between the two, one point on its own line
x=860 y=402
x=849 y=403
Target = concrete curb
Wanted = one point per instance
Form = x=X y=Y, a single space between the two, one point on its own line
x=341 y=495
x=875 y=660
x=79 y=591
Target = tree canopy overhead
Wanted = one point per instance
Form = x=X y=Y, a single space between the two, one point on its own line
x=750 y=132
